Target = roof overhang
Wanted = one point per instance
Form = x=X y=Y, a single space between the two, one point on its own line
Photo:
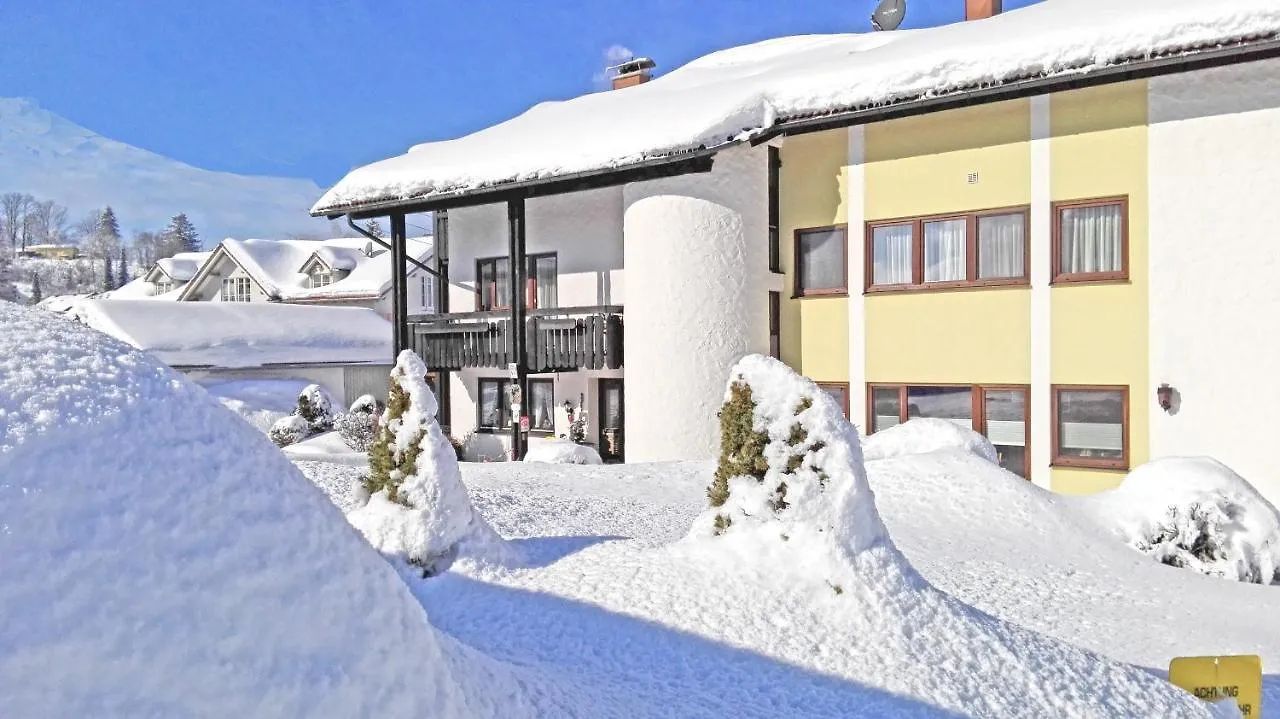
x=1133 y=69
x=651 y=169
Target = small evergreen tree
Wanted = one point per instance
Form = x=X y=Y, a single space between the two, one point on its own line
x=122 y=278
x=36 y=293
x=372 y=227
x=108 y=275
x=387 y=467
x=741 y=445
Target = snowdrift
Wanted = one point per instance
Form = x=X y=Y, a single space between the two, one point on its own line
x=561 y=451
x=161 y=558
x=1194 y=512
x=922 y=435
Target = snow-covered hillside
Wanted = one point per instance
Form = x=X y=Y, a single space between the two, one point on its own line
x=55 y=159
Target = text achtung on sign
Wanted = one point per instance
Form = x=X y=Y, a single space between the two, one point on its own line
x=1216 y=678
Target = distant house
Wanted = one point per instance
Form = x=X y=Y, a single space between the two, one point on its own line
x=51 y=252
x=346 y=350
x=340 y=272
x=172 y=273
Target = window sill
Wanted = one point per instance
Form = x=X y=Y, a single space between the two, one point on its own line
x=1110 y=465
x=1113 y=278
x=819 y=294
x=947 y=286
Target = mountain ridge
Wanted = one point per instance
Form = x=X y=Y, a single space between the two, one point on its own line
x=53 y=158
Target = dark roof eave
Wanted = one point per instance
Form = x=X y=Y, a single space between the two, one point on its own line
x=1146 y=67
x=695 y=161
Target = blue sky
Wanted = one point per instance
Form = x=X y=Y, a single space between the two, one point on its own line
x=312 y=88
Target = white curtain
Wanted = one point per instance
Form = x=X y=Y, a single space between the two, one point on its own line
x=945 y=259
x=1091 y=239
x=891 y=255
x=1001 y=246
x=542 y=405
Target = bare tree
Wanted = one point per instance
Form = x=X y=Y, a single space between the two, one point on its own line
x=14 y=207
x=48 y=222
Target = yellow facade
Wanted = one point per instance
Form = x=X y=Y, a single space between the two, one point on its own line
x=923 y=166
x=966 y=160
x=1098 y=148
x=814 y=193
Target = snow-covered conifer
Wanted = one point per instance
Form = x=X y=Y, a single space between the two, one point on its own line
x=288 y=430
x=358 y=426
x=315 y=407
x=418 y=507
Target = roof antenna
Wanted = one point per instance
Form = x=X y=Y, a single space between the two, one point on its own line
x=889 y=14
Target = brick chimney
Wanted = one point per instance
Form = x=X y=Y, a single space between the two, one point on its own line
x=979 y=9
x=636 y=71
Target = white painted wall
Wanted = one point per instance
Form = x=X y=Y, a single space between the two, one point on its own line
x=696 y=254
x=1215 y=260
x=584 y=229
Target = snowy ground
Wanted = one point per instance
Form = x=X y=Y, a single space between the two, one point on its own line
x=990 y=540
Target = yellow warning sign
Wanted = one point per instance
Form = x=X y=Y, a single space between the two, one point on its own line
x=1217 y=678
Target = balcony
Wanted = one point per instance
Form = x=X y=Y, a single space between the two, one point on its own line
x=560 y=339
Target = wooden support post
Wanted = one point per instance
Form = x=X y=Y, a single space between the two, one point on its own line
x=516 y=256
x=399 y=286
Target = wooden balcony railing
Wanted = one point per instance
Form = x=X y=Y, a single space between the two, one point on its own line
x=561 y=339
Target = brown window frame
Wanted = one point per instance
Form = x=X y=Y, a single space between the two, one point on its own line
x=504 y=408
x=971 y=280
x=530 y=283
x=977 y=411
x=797 y=290
x=1057 y=460
x=775 y=210
x=842 y=385
x=775 y=325
x=1060 y=277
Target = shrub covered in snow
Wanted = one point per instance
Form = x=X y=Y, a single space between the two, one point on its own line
x=418 y=507
x=289 y=430
x=790 y=464
x=559 y=451
x=358 y=426
x=1194 y=512
x=316 y=408
x=921 y=435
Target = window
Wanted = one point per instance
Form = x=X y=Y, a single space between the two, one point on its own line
x=428 y=287
x=495 y=404
x=236 y=289
x=1091 y=426
x=998 y=412
x=775 y=325
x=822 y=261
x=542 y=405
x=493 y=282
x=971 y=249
x=1091 y=240
x=839 y=391
x=163 y=286
x=775 y=252
x=319 y=277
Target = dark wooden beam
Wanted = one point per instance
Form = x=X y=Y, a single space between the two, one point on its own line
x=399 y=289
x=517 y=289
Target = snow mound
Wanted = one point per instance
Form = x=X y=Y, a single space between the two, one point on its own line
x=922 y=435
x=1195 y=512
x=425 y=515
x=812 y=483
x=561 y=451
x=161 y=558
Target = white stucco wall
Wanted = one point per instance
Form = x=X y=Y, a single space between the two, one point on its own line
x=1215 y=259
x=696 y=254
x=584 y=229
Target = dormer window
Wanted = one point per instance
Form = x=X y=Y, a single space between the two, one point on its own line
x=319 y=277
x=163 y=286
x=236 y=289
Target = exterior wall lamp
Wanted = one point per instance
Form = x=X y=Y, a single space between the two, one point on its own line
x=1164 y=395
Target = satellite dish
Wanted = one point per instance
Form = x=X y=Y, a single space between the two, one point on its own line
x=889 y=14
x=368 y=249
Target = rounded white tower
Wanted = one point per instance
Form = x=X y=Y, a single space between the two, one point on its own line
x=695 y=254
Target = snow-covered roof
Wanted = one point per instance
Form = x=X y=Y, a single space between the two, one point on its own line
x=742 y=92
x=242 y=334
x=277 y=265
x=182 y=266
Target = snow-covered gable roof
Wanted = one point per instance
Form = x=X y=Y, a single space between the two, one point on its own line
x=182 y=266
x=242 y=334
x=278 y=266
x=740 y=93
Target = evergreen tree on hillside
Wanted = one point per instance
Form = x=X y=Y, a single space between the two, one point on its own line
x=181 y=235
x=372 y=227
x=109 y=226
x=108 y=275
x=122 y=278
x=36 y=293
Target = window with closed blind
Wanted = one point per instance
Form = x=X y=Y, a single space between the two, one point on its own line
x=998 y=412
x=1091 y=426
